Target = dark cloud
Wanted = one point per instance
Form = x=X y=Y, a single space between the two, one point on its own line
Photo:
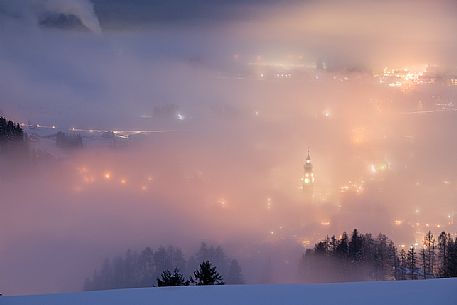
x=139 y=12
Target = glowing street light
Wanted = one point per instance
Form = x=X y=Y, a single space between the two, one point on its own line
x=268 y=203
x=327 y=113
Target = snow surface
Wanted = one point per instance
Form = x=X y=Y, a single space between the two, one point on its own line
x=440 y=291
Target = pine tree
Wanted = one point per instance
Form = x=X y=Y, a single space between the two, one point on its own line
x=452 y=257
x=393 y=260
x=424 y=262
x=321 y=248
x=214 y=254
x=207 y=275
x=430 y=254
x=355 y=246
x=234 y=273
x=169 y=279
x=412 y=262
x=381 y=257
x=342 y=248
x=146 y=268
x=443 y=255
x=396 y=264
x=403 y=264
x=333 y=244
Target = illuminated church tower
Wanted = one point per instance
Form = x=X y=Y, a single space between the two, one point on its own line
x=308 y=179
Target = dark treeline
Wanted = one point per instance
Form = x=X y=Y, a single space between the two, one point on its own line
x=16 y=151
x=354 y=258
x=12 y=136
x=206 y=274
x=142 y=269
x=361 y=257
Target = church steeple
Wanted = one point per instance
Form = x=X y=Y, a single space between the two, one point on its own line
x=308 y=178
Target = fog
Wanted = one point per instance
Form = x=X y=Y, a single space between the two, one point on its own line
x=227 y=138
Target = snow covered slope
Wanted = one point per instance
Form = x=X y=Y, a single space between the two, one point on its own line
x=442 y=291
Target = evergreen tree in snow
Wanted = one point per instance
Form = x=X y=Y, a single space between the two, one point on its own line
x=355 y=246
x=452 y=257
x=423 y=262
x=360 y=257
x=412 y=262
x=443 y=254
x=429 y=255
x=342 y=248
x=142 y=269
x=214 y=254
x=172 y=279
x=207 y=275
x=403 y=264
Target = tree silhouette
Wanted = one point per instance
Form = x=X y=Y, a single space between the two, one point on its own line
x=412 y=262
x=362 y=257
x=169 y=279
x=12 y=137
x=207 y=275
x=403 y=265
x=234 y=273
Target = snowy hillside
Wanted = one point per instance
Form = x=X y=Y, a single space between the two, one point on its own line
x=440 y=291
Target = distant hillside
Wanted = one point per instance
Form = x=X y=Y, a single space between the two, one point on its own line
x=62 y=21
